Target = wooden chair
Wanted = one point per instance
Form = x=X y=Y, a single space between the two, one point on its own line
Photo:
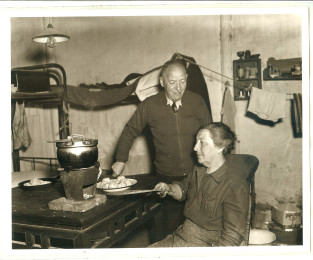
x=246 y=165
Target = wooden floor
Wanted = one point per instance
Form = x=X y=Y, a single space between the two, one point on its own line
x=140 y=239
x=137 y=239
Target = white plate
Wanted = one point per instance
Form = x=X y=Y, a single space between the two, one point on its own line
x=118 y=189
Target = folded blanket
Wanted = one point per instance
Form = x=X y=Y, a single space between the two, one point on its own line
x=100 y=94
x=267 y=105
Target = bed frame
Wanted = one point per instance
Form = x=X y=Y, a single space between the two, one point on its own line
x=56 y=96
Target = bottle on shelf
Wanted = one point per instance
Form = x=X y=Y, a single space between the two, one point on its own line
x=276 y=72
x=240 y=72
x=270 y=70
x=247 y=72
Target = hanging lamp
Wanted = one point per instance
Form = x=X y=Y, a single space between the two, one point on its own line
x=50 y=36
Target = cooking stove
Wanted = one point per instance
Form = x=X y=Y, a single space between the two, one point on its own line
x=80 y=188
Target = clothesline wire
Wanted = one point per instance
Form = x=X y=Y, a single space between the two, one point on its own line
x=222 y=74
x=217 y=73
x=249 y=86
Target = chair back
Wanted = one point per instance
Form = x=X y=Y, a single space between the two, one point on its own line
x=246 y=165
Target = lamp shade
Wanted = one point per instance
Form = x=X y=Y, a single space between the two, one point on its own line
x=50 y=36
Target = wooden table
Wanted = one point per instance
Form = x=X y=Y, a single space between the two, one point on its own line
x=35 y=225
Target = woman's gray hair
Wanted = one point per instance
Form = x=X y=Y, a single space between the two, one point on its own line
x=222 y=136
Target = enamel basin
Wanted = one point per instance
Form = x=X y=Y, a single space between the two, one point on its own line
x=261 y=237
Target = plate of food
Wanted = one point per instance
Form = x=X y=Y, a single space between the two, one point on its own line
x=37 y=183
x=114 y=185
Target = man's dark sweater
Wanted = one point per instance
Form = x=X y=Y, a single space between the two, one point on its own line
x=173 y=134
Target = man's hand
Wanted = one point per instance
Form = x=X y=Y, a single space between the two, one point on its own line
x=118 y=168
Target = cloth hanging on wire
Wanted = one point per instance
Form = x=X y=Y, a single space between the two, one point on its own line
x=21 y=136
x=229 y=110
x=100 y=94
x=143 y=85
x=267 y=105
x=148 y=83
x=196 y=81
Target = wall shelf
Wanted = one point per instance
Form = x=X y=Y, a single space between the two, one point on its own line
x=246 y=74
x=284 y=69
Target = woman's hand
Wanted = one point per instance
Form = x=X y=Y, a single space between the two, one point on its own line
x=163 y=189
x=173 y=190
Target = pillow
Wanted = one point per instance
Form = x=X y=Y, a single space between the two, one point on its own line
x=148 y=84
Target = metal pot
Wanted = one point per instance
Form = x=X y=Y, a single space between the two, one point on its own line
x=290 y=236
x=77 y=152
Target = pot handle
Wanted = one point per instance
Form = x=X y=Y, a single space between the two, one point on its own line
x=99 y=174
x=60 y=141
x=70 y=138
x=77 y=136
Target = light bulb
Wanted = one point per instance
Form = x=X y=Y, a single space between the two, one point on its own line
x=51 y=42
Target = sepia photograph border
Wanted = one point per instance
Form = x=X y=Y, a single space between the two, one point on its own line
x=10 y=9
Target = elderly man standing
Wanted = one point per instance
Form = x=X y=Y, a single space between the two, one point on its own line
x=173 y=116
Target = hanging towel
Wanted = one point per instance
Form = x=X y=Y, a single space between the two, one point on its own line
x=297 y=114
x=21 y=136
x=267 y=105
x=229 y=110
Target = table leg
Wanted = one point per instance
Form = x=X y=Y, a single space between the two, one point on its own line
x=155 y=225
x=82 y=241
x=29 y=239
x=45 y=241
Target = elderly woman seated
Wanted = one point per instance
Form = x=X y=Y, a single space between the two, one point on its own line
x=217 y=197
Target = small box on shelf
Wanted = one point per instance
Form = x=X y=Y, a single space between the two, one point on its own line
x=297 y=73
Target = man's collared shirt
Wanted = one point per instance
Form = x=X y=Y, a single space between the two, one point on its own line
x=170 y=102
